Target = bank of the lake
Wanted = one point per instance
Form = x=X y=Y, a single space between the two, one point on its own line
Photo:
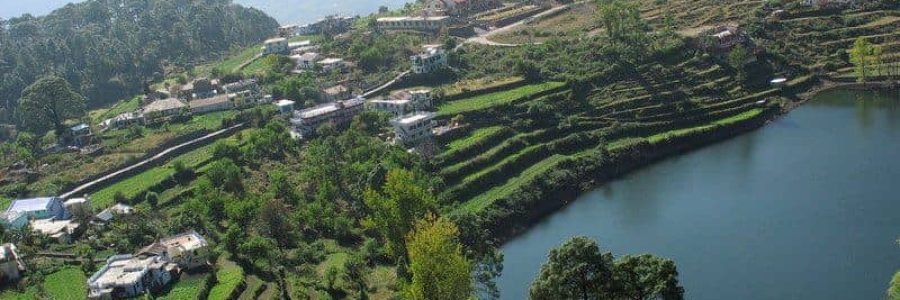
x=805 y=208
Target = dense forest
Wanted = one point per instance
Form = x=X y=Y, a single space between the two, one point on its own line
x=109 y=49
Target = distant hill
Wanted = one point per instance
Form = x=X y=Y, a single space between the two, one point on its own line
x=285 y=11
x=305 y=11
x=108 y=50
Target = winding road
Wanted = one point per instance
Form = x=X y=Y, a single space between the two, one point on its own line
x=162 y=155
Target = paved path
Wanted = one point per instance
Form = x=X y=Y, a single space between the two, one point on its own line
x=162 y=155
x=484 y=38
x=384 y=86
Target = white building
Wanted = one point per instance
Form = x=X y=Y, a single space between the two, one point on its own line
x=285 y=106
x=434 y=58
x=111 y=212
x=188 y=250
x=339 y=113
x=414 y=128
x=123 y=120
x=126 y=276
x=212 y=104
x=287 y=31
x=305 y=61
x=330 y=64
x=20 y=211
x=60 y=230
x=11 y=265
x=425 y=23
x=275 y=46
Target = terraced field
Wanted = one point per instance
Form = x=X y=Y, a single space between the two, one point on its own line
x=654 y=103
x=820 y=41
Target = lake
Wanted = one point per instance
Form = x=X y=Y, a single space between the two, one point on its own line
x=807 y=207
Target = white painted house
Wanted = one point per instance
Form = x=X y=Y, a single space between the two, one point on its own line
x=432 y=59
x=275 y=46
x=188 y=250
x=414 y=128
x=126 y=276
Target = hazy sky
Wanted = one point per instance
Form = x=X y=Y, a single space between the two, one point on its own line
x=285 y=11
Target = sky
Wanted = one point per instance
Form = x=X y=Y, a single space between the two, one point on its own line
x=285 y=11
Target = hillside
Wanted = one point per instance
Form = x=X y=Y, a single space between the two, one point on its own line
x=107 y=57
x=306 y=11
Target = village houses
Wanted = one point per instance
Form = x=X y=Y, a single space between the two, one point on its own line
x=335 y=93
x=285 y=106
x=305 y=61
x=151 y=269
x=416 y=23
x=21 y=211
x=403 y=102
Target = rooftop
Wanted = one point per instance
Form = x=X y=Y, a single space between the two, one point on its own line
x=284 y=102
x=415 y=118
x=186 y=241
x=331 y=60
x=209 y=101
x=276 y=40
x=163 y=105
x=338 y=89
x=413 y=18
x=118 y=209
x=34 y=204
x=328 y=108
x=124 y=270
x=54 y=228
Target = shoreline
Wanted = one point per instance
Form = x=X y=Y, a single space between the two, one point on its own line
x=623 y=167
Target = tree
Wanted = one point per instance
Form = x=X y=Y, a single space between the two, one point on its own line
x=575 y=270
x=395 y=209
x=225 y=174
x=862 y=55
x=439 y=269
x=579 y=270
x=647 y=277
x=738 y=58
x=622 y=20
x=48 y=103
x=893 y=293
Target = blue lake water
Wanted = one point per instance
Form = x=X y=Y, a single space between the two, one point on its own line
x=807 y=207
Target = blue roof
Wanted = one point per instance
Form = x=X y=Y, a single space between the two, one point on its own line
x=34 y=204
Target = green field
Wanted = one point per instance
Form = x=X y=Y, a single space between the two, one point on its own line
x=185 y=289
x=495 y=99
x=136 y=185
x=487 y=198
x=29 y=294
x=229 y=278
x=475 y=137
x=68 y=283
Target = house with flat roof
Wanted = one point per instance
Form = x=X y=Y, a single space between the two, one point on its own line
x=60 y=230
x=432 y=59
x=163 y=109
x=122 y=120
x=414 y=23
x=306 y=61
x=421 y=98
x=287 y=31
x=188 y=250
x=285 y=106
x=39 y=208
x=339 y=113
x=111 y=212
x=275 y=46
x=413 y=129
x=330 y=64
x=208 y=105
x=335 y=93
x=126 y=276
x=11 y=265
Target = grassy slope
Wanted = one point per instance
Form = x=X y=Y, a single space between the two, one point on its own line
x=68 y=283
x=185 y=289
x=475 y=137
x=229 y=278
x=494 y=99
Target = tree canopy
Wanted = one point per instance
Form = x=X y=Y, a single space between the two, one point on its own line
x=579 y=270
x=439 y=269
x=395 y=210
x=47 y=104
x=109 y=50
